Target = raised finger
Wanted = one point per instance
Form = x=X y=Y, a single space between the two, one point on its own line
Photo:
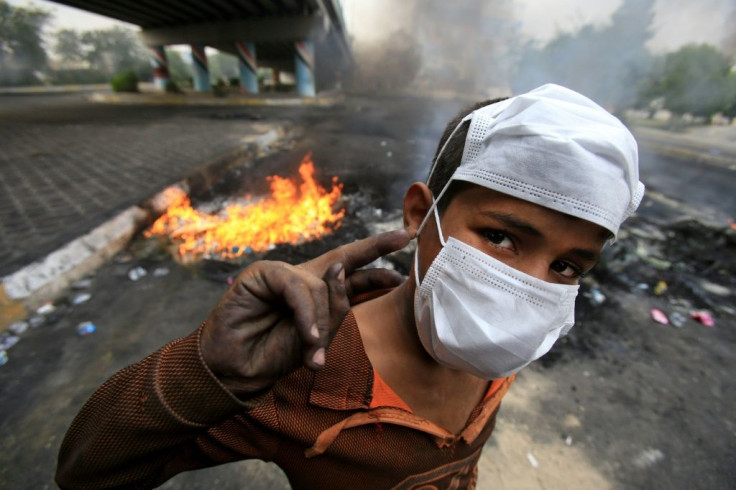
x=361 y=252
x=336 y=307
x=293 y=287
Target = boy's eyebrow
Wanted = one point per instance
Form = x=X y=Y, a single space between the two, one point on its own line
x=585 y=254
x=514 y=222
x=519 y=224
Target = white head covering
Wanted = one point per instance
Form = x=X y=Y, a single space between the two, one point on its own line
x=556 y=148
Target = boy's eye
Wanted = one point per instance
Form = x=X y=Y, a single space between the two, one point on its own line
x=566 y=269
x=499 y=239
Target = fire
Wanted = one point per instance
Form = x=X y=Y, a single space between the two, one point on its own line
x=291 y=214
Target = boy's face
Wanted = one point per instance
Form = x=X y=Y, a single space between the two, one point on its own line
x=538 y=241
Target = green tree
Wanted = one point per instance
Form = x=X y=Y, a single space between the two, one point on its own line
x=606 y=63
x=115 y=50
x=696 y=79
x=68 y=47
x=179 y=70
x=22 y=54
x=222 y=66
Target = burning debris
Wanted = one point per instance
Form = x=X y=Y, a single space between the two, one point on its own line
x=293 y=213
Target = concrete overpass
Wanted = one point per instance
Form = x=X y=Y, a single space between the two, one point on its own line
x=306 y=37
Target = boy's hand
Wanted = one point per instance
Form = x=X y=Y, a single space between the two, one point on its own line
x=276 y=316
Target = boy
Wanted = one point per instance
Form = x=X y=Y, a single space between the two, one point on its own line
x=522 y=196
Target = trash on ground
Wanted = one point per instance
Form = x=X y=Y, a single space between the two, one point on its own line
x=703 y=317
x=3 y=358
x=713 y=288
x=648 y=457
x=677 y=319
x=595 y=296
x=82 y=284
x=568 y=441
x=389 y=154
x=18 y=328
x=46 y=308
x=137 y=273
x=8 y=341
x=659 y=316
x=36 y=321
x=160 y=271
x=532 y=460
x=81 y=298
x=642 y=286
x=660 y=288
x=383 y=143
x=85 y=328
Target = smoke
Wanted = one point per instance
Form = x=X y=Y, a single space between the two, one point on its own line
x=464 y=46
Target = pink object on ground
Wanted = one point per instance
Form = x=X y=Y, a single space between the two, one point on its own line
x=703 y=317
x=659 y=316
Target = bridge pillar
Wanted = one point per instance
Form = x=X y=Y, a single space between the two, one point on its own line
x=248 y=66
x=160 y=66
x=201 y=72
x=304 y=59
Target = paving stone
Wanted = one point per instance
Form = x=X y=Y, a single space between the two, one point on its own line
x=65 y=170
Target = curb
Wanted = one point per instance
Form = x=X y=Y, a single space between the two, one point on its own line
x=728 y=163
x=45 y=279
x=52 y=89
x=165 y=99
x=712 y=151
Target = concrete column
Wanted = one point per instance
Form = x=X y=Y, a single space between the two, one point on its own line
x=248 y=66
x=305 y=68
x=160 y=66
x=201 y=72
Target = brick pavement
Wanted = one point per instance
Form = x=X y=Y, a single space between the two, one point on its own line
x=67 y=165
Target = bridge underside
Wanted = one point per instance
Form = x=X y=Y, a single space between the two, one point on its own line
x=272 y=27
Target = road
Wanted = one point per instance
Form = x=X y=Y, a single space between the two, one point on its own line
x=619 y=407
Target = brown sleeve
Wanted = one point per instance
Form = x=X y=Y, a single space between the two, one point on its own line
x=148 y=422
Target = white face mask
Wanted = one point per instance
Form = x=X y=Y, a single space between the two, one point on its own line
x=477 y=314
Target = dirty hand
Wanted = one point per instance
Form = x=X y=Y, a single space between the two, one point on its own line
x=277 y=316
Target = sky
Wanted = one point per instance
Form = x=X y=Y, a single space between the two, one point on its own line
x=676 y=22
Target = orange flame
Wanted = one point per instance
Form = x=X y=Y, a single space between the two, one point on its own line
x=289 y=215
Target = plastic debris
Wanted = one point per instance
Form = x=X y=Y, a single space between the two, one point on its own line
x=18 y=328
x=703 y=317
x=82 y=284
x=36 y=321
x=137 y=273
x=595 y=296
x=648 y=457
x=677 y=319
x=642 y=286
x=160 y=271
x=81 y=298
x=3 y=358
x=568 y=441
x=46 y=308
x=659 y=316
x=532 y=460
x=383 y=143
x=660 y=288
x=85 y=328
x=8 y=341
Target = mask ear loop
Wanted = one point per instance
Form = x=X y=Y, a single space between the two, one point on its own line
x=433 y=208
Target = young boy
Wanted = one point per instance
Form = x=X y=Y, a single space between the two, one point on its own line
x=521 y=198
